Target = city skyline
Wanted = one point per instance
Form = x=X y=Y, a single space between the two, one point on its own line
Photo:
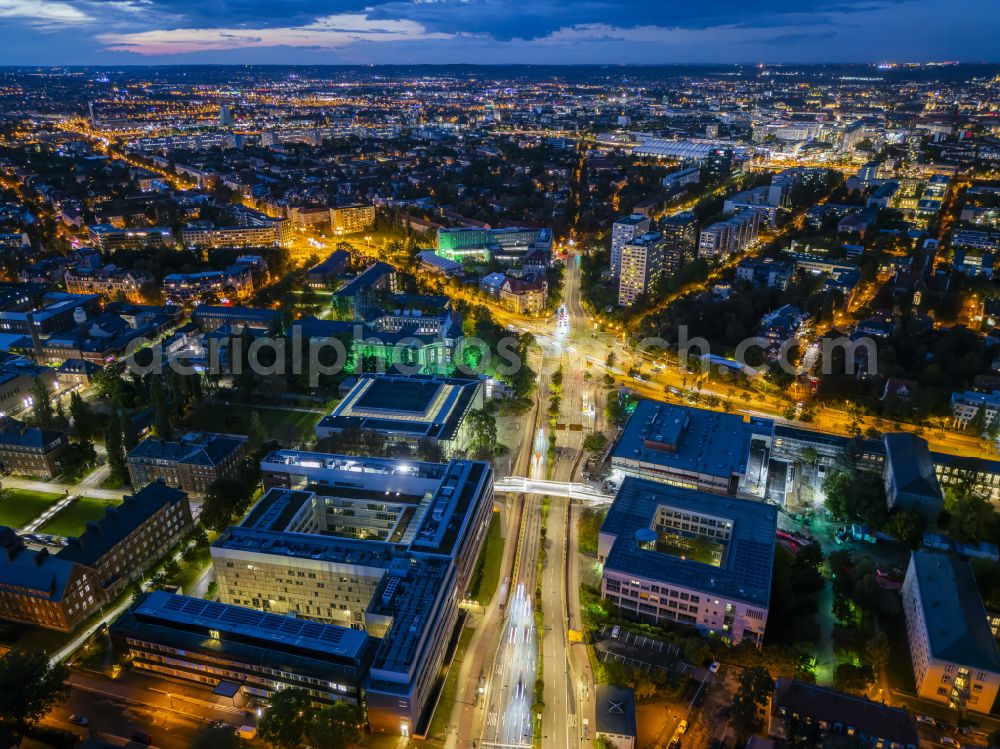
x=57 y=32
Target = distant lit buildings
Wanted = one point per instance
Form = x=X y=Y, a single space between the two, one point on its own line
x=110 y=238
x=508 y=246
x=680 y=241
x=27 y=450
x=641 y=267
x=730 y=236
x=109 y=282
x=623 y=231
x=352 y=219
x=522 y=296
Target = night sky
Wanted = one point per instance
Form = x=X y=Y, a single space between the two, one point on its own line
x=61 y=32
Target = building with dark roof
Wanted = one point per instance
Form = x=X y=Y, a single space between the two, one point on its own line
x=813 y=712
x=29 y=450
x=216 y=644
x=954 y=654
x=190 y=463
x=212 y=317
x=909 y=476
x=132 y=536
x=382 y=545
x=675 y=554
x=42 y=590
x=405 y=409
x=694 y=447
x=324 y=274
x=614 y=716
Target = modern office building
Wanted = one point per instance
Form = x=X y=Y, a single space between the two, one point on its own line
x=623 y=231
x=679 y=555
x=909 y=477
x=132 y=536
x=826 y=713
x=192 y=462
x=253 y=653
x=954 y=653
x=405 y=409
x=507 y=246
x=641 y=267
x=110 y=238
x=382 y=545
x=695 y=448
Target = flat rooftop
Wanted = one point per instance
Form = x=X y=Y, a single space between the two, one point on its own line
x=693 y=440
x=957 y=628
x=745 y=572
x=414 y=405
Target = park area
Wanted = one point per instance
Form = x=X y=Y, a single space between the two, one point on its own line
x=72 y=521
x=284 y=425
x=18 y=507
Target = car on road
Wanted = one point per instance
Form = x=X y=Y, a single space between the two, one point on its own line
x=682 y=728
x=79 y=720
x=141 y=737
x=615 y=632
x=949 y=741
x=714 y=667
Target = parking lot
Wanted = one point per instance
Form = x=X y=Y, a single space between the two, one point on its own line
x=639 y=651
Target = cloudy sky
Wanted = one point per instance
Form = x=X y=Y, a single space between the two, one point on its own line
x=43 y=32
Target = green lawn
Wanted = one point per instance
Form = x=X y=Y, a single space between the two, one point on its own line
x=72 y=521
x=486 y=575
x=282 y=425
x=21 y=506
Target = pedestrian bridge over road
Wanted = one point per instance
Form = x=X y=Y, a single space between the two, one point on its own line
x=520 y=485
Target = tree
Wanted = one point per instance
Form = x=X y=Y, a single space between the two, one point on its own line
x=30 y=685
x=255 y=430
x=83 y=417
x=483 y=432
x=595 y=442
x=285 y=721
x=907 y=526
x=878 y=649
x=224 y=499
x=42 y=403
x=116 y=453
x=856 y=495
x=210 y=736
x=130 y=435
x=853 y=679
x=970 y=516
x=696 y=650
x=754 y=690
x=335 y=727
x=161 y=410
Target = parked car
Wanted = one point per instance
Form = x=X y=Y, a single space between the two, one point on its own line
x=682 y=728
x=615 y=632
x=142 y=737
x=79 y=720
x=926 y=720
x=714 y=667
x=949 y=741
